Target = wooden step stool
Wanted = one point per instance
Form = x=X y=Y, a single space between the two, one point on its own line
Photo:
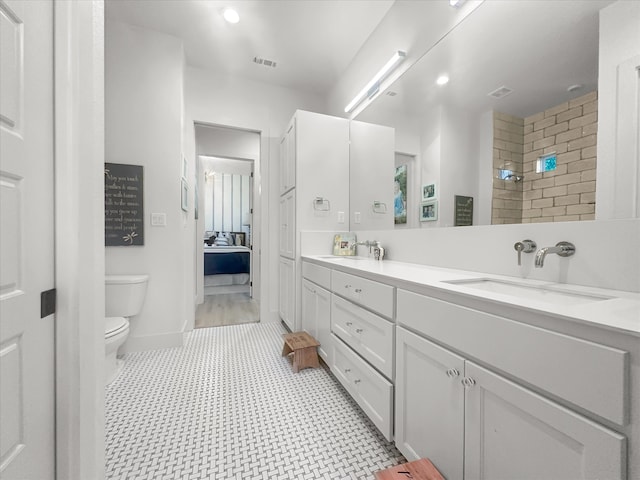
x=304 y=350
x=421 y=469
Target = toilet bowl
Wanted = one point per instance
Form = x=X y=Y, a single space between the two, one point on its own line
x=124 y=297
x=115 y=333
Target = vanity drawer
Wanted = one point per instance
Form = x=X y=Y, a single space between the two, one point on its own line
x=367 y=333
x=369 y=389
x=372 y=295
x=587 y=374
x=317 y=274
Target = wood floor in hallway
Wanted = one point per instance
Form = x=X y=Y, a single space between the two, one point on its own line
x=226 y=309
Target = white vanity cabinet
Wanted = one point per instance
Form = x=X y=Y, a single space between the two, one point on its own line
x=363 y=344
x=316 y=307
x=473 y=422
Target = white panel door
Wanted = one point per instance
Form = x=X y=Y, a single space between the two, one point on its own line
x=26 y=240
x=429 y=403
x=511 y=432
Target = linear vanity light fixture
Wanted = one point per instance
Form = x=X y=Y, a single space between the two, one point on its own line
x=373 y=86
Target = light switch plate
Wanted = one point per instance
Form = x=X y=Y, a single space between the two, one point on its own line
x=158 y=219
x=340 y=217
x=356 y=217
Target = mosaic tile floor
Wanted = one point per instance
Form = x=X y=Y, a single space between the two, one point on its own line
x=227 y=406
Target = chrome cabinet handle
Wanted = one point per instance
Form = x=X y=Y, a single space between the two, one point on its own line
x=347 y=286
x=349 y=324
x=347 y=370
x=356 y=381
x=468 y=382
x=452 y=373
x=359 y=330
x=358 y=290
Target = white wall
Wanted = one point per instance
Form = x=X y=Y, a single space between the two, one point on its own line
x=606 y=251
x=143 y=123
x=226 y=101
x=618 y=180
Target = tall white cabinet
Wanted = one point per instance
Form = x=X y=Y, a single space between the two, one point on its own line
x=314 y=195
x=371 y=170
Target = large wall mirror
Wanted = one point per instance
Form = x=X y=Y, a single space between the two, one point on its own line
x=511 y=137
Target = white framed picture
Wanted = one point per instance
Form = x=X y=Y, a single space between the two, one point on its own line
x=429 y=211
x=428 y=192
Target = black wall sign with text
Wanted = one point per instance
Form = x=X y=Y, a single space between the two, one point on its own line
x=123 y=207
x=463 y=211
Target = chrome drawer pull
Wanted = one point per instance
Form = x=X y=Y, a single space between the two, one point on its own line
x=356 y=381
x=347 y=286
x=349 y=324
x=358 y=290
x=359 y=330
x=347 y=370
x=452 y=373
x=468 y=382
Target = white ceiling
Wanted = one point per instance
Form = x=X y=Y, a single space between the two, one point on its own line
x=537 y=48
x=312 y=41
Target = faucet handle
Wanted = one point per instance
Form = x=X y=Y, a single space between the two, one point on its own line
x=526 y=246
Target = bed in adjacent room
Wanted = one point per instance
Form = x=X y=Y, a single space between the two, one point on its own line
x=226 y=269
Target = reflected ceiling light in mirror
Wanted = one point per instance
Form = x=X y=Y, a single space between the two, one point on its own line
x=230 y=15
x=373 y=86
x=456 y=3
x=442 y=80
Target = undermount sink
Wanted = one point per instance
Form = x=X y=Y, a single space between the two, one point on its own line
x=541 y=293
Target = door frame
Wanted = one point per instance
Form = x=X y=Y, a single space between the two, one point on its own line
x=79 y=238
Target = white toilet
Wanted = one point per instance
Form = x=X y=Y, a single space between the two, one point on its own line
x=124 y=297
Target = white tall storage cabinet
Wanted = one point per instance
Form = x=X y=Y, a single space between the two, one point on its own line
x=314 y=195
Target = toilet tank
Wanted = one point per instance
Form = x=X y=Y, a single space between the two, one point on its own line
x=124 y=294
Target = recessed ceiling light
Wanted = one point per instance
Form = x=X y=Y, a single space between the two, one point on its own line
x=456 y=3
x=230 y=15
x=442 y=80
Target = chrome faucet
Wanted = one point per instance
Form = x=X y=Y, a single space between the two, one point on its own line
x=378 y=251
x=563 y=249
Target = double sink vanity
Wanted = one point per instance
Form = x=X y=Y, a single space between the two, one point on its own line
x=488 y=376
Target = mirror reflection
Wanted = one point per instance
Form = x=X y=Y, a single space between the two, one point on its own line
x=499 y=119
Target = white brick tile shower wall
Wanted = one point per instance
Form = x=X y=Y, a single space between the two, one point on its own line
x=565 y=194
x=227 y=406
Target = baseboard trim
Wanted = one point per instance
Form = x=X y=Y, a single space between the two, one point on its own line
x=152 y=342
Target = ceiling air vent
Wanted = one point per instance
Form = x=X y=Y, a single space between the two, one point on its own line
x=264 y=61
x=500 y=92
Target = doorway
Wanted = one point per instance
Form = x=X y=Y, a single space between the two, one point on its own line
x=226 y=161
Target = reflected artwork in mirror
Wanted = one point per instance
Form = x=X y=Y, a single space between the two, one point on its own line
x=522 y=92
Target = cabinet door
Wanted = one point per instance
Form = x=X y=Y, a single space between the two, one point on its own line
x=290 y=180
x=287 y=241
x=287 y=296
x=288 y=159
x=323 y=324
x=309 y=308
x=429 y=402
x=512 y=432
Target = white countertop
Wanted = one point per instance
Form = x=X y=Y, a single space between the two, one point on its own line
x=611 y=309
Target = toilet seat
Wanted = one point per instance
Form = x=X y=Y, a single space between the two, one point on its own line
x=115 y=325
